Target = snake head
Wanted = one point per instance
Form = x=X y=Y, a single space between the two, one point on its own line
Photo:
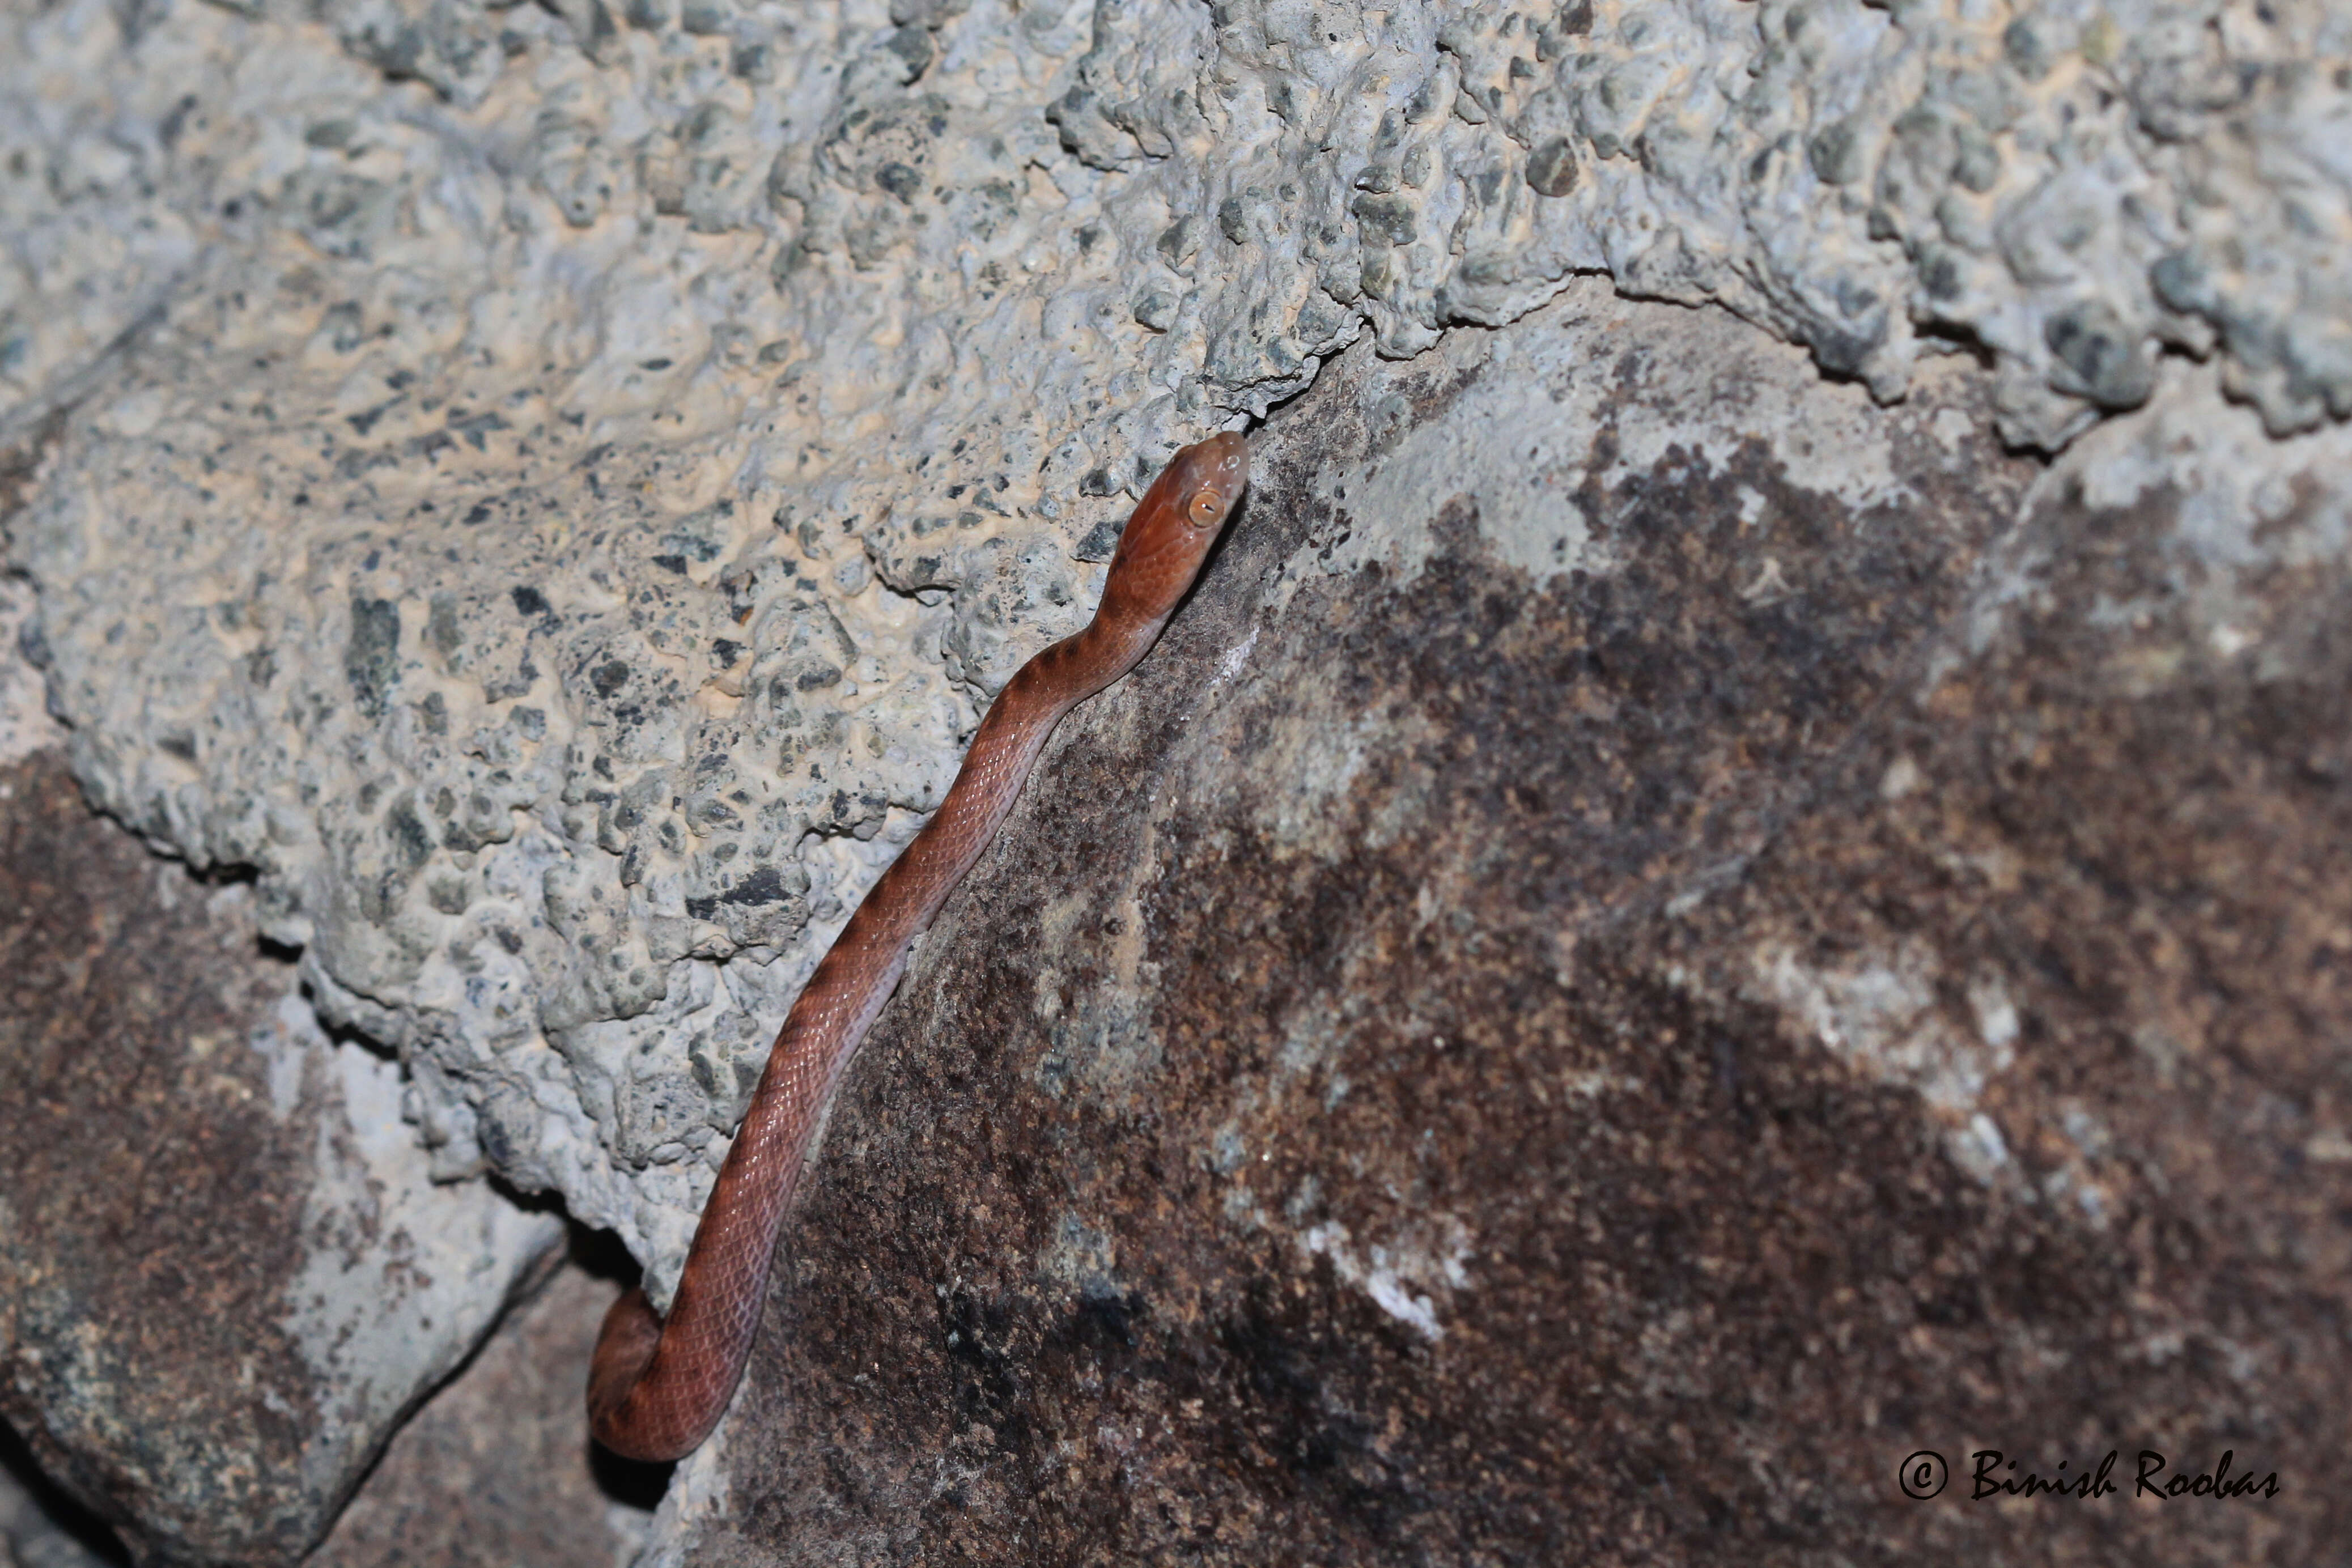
x=1209 y=477
x=1177 y=521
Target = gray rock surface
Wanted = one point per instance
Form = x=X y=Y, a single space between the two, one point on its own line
x=40 y=1527
x=497 y=1470
x=550 y=488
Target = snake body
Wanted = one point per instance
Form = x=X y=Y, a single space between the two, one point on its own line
x=656 y=1386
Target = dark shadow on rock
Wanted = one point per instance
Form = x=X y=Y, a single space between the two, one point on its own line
x=600 y=1255
x=57 y=1509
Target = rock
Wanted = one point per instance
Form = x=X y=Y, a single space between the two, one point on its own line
x=497 y=1469
x=223 y=1276
x=534 y=483
x=537 y=495
x=40 y=1527
x=1655 y=940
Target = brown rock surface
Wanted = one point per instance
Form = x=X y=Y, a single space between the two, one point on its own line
x=1466 y=1062
x=152 y=1215
x=222 y=1275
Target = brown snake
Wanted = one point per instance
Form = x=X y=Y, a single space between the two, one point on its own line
x=656 y=1387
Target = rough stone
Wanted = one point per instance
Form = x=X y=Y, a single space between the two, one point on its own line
x=548 y=488
x=223 y=1274
x=40 y=1527
x=497 y=1470
x=1636 y=957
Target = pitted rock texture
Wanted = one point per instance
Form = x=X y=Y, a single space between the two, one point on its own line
x=223 y=1274
x=550 y=488
x=1584 y=1017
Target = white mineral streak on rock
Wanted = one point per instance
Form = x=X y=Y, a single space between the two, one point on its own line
x=1515 y=448
x=1881 y=1012
x=25 y=725
x=552 y=488
x=1407 y=1278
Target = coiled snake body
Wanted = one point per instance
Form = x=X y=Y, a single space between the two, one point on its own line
x=657 y=1387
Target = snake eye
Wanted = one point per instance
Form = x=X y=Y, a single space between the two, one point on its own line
x=1205 y=510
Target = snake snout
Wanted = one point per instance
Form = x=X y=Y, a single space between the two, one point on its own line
x=1228 y=457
